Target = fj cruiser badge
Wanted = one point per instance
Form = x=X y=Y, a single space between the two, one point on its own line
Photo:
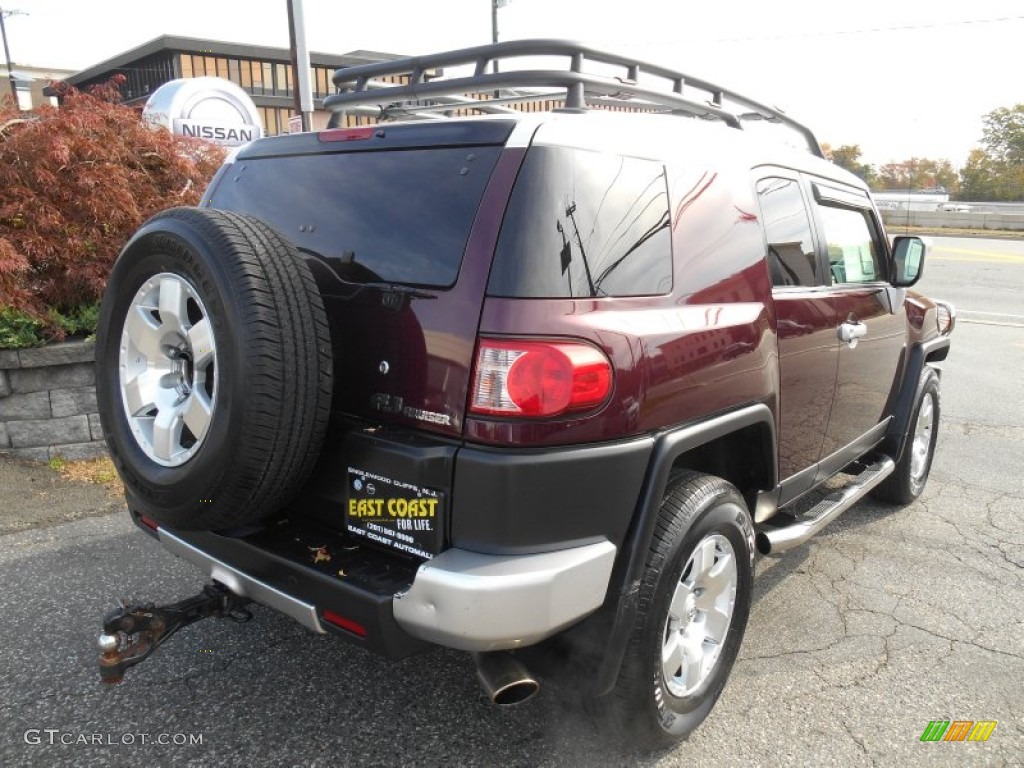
x=394 y=404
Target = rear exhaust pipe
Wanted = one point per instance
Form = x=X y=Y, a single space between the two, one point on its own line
x=503 y=677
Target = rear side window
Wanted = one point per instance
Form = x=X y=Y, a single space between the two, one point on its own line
x=584 y=224
x=791 y=255
x=400 y=216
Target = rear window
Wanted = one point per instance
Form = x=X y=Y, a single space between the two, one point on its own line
x=583 y=223
x=400 y=216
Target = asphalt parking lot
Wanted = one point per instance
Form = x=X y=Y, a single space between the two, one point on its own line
x=888 y=620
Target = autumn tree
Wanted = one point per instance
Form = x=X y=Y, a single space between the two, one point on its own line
x=996 y=173
x=989 y=179
x=75 y=182
x=919 y=173
x=1004 y=134
x=848 y=156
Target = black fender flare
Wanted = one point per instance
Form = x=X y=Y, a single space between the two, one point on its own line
x=624 y=587
x=933 y=350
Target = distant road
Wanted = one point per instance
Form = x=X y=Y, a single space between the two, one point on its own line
x=983 y=277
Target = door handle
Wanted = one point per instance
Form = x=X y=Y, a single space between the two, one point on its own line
x=850 y=332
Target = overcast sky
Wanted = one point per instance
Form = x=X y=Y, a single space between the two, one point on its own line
x=901 y=78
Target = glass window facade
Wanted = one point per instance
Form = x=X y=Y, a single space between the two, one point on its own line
x=268 y=81
x=260 y=78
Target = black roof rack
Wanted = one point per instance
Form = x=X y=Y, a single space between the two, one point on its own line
x=426 y=95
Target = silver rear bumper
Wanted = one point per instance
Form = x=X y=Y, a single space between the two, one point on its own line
x=478 y=602
x=460 y=599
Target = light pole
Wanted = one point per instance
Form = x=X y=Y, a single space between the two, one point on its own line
x=302 y=92
x=495 y=5
x=7 y=55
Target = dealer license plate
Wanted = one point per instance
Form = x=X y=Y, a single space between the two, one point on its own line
x=394 y=513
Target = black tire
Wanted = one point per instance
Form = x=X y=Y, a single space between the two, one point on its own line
x=908 y=480
x=259 y=372
x=643 y=708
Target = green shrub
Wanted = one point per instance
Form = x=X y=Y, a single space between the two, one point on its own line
x=19 y=329
x=79 y=320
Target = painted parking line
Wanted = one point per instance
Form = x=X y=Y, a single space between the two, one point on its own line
x=966 y=254
x=977 y=317
x=990 y=314
x=970 y=321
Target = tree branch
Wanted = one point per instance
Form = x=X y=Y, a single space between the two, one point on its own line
x=14 y=122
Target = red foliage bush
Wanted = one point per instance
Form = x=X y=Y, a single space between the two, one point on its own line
x=75 y=182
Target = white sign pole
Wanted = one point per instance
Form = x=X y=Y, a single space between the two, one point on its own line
x=302 y=65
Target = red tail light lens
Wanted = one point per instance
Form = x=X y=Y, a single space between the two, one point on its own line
x=538 y=378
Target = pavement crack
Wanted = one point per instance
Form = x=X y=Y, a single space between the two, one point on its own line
x=858 y=740
x=962 y=482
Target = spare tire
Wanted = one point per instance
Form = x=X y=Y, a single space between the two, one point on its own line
x=213 y=369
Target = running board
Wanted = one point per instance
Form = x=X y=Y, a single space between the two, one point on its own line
x=774 y=540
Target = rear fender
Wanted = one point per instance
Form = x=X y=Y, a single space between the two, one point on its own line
x=624 y=588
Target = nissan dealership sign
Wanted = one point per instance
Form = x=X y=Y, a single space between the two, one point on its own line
x=208 y=108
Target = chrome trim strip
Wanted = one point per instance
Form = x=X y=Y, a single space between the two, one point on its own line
x=241 y=583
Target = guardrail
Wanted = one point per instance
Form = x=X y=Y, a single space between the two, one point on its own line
x=954 y=220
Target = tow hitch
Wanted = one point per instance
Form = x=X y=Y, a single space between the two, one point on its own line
x=132 y=632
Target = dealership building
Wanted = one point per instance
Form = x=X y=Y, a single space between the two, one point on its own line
x=264 y=73
x=30 y=83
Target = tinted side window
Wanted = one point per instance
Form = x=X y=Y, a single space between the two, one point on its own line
x=791 y=256
x=853 y=253
x=582 y=223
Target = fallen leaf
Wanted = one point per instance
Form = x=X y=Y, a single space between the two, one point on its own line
x=320 y=554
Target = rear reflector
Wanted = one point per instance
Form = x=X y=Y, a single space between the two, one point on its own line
x=538 y=378
x=342 y=623
x=151 y=524
x=347 y=134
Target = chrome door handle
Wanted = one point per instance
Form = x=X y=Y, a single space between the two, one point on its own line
x=850 y=332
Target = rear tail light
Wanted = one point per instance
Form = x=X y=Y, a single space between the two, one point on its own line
x=538 y=378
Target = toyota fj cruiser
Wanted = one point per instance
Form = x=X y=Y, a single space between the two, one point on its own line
x=514 y=379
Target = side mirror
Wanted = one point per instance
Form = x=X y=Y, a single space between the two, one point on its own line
x=908 y=260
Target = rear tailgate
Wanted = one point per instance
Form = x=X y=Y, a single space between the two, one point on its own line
x=399 y=223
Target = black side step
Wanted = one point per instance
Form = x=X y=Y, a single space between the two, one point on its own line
x=773 y=540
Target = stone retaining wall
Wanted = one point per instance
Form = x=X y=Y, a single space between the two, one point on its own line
x=48 y=403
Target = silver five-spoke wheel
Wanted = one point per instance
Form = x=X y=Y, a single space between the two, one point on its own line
x=168 y=369
x=699 y=615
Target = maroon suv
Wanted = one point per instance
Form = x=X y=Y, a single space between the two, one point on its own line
x=519 y=379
